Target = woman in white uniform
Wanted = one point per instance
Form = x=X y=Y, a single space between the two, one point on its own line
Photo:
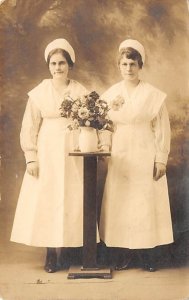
x=49 y=210
x=135 y=208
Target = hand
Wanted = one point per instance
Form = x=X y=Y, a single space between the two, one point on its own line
x=76 y=149
x=159 y=170
x=33 y=168
x=105 y=148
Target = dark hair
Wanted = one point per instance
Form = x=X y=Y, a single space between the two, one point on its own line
x=64 y=53
x=132 y=54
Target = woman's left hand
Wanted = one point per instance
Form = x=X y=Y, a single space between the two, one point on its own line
x=105 y=148
x=159 y=170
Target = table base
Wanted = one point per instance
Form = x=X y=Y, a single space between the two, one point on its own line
x=76 y=272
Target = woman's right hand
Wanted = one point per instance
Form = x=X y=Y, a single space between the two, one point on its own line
x=33 y=168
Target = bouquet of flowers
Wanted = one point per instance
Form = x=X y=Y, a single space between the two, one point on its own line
x=90 y=111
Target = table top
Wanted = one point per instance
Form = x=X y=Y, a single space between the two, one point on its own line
x=89 y=154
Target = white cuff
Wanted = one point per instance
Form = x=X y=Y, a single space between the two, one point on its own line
x=30 y=155
x=161 y=157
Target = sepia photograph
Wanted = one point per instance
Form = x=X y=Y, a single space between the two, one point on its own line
x=94 y=149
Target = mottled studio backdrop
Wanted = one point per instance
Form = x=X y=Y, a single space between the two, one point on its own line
x=95 y=29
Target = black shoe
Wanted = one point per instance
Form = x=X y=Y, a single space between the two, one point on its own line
x=66 y=258
x=102 y=255
x=150 y=267
x=148 y=259
x=51 y=263
x=124 y=265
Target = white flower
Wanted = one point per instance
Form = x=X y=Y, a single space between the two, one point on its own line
x=87 y=123
x=83 y=113
x=74 y=107
x=117 y=103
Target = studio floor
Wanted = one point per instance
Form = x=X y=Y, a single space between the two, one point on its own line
x=22 y=276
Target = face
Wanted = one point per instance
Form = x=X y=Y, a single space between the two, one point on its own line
x=129 y=69
x=58 y=66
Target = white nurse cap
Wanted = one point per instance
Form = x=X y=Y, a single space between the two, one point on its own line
x=135 y=45
x=60 y=44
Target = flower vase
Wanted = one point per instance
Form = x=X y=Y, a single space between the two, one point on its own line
x=88 y=141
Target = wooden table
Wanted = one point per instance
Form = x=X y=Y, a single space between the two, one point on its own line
x=89 y=269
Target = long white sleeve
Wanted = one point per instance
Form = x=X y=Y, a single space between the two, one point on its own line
x=161 y=127
x=29 y=131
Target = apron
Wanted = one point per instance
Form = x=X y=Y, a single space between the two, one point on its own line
x=50 y=208
x=135 y=208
